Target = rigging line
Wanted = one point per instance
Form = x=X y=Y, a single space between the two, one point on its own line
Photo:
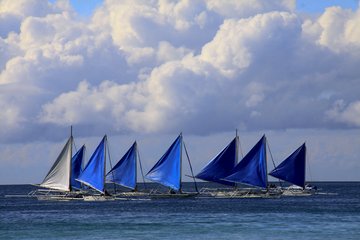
x=75 y=146
x=71 y=134
x=238 y=145
x=241 y=151
x=192 y=173
x=83 y=165
x=141 y=169
x=272 y=159
x=308 y=164
x=112 y=173
x=84 y=157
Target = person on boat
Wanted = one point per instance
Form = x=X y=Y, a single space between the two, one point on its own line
x=272 y=185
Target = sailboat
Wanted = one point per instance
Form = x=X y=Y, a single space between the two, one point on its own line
x=251 y=170
x=124 y=173
x=167 y=171
x=93 y=174
x=59 y=183
x=221 y=165
x=292 y=170
x=59 y=176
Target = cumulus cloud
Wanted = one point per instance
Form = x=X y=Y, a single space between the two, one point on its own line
x=12 y=13
x=345 y=113
x=336 y=28
x=93 y=105
x=237 y=42
x=245 y=9
x=164 y=66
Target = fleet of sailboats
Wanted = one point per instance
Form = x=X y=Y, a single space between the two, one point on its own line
x=67 y=179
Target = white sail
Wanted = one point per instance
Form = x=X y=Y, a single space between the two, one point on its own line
x=59 y=175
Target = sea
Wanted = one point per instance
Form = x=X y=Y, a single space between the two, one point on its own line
x=334 y=213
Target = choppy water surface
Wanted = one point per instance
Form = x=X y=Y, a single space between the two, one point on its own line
x=314 y=217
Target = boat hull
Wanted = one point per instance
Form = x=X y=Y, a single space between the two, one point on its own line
x=172 y=195
x=98 y=198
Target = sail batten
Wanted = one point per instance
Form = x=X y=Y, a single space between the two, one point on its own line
x=292 y=169
x=58 y=177
x=93 y=174
x=124 y=172
x=251 y=170
x=167 y=171
x=221 y=165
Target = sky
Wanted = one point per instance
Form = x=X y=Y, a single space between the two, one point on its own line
x=148 y=70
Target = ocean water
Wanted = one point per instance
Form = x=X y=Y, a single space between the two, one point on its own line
x=313 y=217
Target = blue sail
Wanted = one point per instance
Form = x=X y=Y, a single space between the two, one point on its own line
x=124 y=172
x=221 y=166
x=76 y=167
x=167 y=171
x=292 y=169
x=252 y=168
x=94 y=172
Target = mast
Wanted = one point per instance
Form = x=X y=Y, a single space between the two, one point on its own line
x=105 y=162
x=305 y=167
x=181 y=146
x=136 y=166
x=236 y=153
x=111 y=167
x=237 y=148
x=70 y=169
x=267 y=176
x=141 y=169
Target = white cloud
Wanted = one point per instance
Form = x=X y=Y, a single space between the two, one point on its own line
x=234 y=45
x=337 y=29
x=27 y=8
x=93 y=106
x=202 y=67
x=12 y=13
x=248 y=8
x=161 y=66
x=345 y=113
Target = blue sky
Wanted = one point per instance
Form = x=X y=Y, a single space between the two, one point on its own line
x=86 y=7
x=318 y=6
x=147 y=70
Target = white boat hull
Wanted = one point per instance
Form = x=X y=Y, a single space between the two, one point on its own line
x=98 y=198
